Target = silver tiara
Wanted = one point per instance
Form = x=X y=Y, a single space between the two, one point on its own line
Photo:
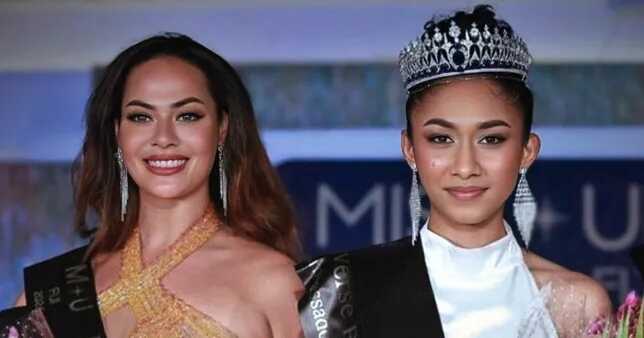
x=459 y=51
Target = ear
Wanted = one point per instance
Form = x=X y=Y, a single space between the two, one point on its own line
x=530 y=150
x=407 y=148
x=223 y=127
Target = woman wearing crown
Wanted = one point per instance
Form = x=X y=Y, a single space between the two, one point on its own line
x=467 y=141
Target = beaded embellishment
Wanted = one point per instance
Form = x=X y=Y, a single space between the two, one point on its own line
x=158 y=312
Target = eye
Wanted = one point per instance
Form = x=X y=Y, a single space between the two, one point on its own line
x=189 y=117
x=440 y=139
x=492 y=139
x=139 y=117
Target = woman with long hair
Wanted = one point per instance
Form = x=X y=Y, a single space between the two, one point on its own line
x=468 y=142
x=195 y=235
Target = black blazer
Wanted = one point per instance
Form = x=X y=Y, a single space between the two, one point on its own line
x=379 y=291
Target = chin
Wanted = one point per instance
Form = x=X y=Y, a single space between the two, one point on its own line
x=167 y=192
x=469 y=216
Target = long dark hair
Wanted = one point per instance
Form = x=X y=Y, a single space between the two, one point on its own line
x=258 y=207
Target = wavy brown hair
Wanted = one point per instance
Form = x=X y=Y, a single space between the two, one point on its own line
x=258 y=207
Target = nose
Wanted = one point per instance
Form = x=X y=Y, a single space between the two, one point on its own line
x=466 y=163
x=165 y=134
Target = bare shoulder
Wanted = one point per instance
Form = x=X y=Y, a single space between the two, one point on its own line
x=573 y=283
x=265 y=282
x=106 y=267
x=263 y=267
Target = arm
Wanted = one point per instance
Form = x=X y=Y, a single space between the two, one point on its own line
x=598 y=303
x=283 y=291
x=585 y=297
x=22 y=300
x=577 y=299
x=277 y=294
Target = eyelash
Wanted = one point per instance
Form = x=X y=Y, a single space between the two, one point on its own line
x=497 y=139
x=489 y=140
x=183 y=117
x=189 y=117
x=139 y=117
x=440 y=139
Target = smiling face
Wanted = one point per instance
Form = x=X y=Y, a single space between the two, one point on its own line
x=169 y=129
x=467 y=142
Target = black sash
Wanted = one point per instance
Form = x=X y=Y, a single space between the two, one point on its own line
x=380 y=291
x=64 y=288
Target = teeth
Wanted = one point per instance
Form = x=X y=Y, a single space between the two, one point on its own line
x=167 y=164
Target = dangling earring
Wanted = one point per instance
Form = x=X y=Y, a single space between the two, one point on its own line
x=414 y=204
x=525 y=208
x=123 y=182
x=223 y=182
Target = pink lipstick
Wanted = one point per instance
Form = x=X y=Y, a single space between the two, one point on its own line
x=165 y=165
x=466 y=193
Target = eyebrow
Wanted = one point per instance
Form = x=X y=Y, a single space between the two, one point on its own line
x=493 y=123
x=185 y=101
x=440 y=122
x=174 y=105
x=140 y=104
x=483 y=125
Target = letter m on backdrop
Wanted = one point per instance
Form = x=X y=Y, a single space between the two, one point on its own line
x=328 y=201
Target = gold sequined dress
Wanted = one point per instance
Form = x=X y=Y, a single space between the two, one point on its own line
x=158 y=312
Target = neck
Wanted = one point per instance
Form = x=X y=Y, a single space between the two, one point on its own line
x=162 y=221
x=467 y=235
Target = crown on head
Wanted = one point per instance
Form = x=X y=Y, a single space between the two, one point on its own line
x=460 y=50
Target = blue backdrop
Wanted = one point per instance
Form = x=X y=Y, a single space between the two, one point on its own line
x=589 y=217
x=352 y=113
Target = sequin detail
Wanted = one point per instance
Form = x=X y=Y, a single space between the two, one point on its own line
x=158 y=312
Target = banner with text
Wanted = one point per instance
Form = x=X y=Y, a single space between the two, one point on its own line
x=589 y=218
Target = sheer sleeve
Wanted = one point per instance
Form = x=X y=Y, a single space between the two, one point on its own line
x=563 y=305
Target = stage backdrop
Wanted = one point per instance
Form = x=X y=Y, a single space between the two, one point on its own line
x=590 y=212
x=350 y=186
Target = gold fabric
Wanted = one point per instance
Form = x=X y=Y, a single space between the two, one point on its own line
x=157 y=311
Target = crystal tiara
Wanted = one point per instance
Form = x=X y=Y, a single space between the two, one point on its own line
x=459 y=51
